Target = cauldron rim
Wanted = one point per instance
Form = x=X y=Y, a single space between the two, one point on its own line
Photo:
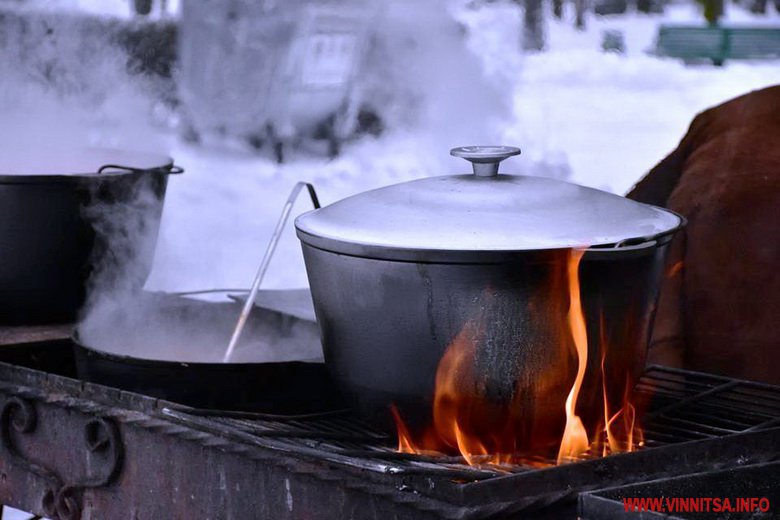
x=116 y=162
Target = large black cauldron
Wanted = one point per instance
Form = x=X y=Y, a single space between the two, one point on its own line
x=64 y=216
x=401 y=274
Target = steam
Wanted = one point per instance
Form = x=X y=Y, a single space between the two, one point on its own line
x=421 y=75
x=120 y=318
x=125 y=214
x=64 y=85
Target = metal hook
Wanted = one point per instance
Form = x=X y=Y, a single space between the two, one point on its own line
x=172 y=169
x=129 y=169
x=250 y=301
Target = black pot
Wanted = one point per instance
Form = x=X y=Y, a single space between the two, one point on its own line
x=283 y=387
x=479 y=266
x=171 y=347
x=60 y=223
x=416 y=311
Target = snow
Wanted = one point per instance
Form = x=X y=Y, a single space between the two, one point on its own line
x=597 y=119
x=15 y=514
x=614 y=116
x=601 y=119
x=117 y=8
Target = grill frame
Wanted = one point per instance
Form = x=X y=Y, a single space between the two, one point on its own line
x=670 y=392
x=759 y=480
x=699 y=454
x=364 y=488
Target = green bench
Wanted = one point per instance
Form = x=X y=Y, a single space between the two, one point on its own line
x=717 y=43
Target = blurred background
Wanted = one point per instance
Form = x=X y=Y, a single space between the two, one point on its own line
x=251 y=96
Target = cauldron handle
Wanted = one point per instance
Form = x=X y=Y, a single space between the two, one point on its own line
x=128 y=169
x=269 y=252
x=171 y=169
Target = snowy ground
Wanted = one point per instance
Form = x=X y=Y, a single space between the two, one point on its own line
x=597 y=119
x=604 y=118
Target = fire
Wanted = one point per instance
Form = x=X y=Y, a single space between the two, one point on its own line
x=575 y=438
x=463 y=422
x=486 y=425
x=454 y=381
x=405 y=444
x=674 y=269
x=621 y=429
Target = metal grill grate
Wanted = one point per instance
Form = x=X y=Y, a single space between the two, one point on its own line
x=683 y=406
x=691 y=406
x=334 y=465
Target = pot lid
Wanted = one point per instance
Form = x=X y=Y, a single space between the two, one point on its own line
x=481 y=212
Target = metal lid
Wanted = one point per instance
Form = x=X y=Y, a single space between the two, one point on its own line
x=485 y=212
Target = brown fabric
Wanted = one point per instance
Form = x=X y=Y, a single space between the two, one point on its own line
x=721 y=312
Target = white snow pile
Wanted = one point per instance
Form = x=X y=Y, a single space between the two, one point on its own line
x=597 y=119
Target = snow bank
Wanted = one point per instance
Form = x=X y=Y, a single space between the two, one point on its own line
x=599 y=119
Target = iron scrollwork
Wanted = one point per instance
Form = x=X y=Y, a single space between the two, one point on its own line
x=62 y=498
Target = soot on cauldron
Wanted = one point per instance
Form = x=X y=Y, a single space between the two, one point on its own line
x=571 y=407
x=493 y=314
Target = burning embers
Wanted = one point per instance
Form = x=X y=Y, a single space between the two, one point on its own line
x=502 y=398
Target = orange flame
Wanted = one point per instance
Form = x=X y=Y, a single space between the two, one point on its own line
x=575 y=438
x=469 y=421
x=620 y=432
x=405 y=444
x=622 y=429
x=452 y=399
x=674 y=269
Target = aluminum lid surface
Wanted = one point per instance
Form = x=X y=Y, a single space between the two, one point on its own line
x=480 y=212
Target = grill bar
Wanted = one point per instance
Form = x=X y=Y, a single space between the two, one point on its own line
x=684 y=406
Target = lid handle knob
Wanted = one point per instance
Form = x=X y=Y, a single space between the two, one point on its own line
x=485 y=159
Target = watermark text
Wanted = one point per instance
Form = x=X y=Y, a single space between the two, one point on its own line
x=697 y=504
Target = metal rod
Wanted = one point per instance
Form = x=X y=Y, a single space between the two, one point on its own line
x=279 y=445
x=690 y=375
x=262 y=431
x=767 y=424
x=269 y=252
x=684 y=402
x=231 y=414
x=207 y=291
